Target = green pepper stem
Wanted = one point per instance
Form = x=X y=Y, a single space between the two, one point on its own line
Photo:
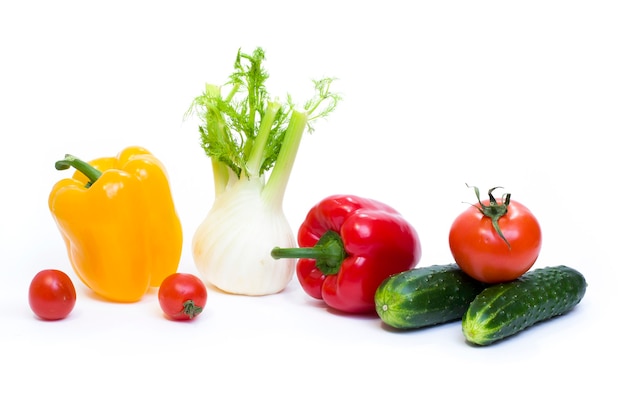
x=89 y=171
x=328 y=252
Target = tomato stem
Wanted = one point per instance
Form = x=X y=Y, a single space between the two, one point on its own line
x=190 y=309
x=494 y=210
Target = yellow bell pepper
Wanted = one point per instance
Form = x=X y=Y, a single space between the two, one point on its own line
x=119 y=223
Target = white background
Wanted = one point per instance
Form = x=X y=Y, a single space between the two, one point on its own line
x=526 y=95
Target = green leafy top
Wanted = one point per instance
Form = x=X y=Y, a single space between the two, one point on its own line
x=245 y=130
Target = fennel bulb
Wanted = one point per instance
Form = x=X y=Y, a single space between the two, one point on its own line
x=230 y=247
x=250 y=138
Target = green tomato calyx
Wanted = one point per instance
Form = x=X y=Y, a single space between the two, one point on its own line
x=494 y=210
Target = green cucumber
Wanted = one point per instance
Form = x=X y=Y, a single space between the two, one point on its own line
x=425 y=296
x=503 y=310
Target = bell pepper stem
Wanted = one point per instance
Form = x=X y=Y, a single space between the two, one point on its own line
x=88 y=170
x=329 y=253
x=315 y=252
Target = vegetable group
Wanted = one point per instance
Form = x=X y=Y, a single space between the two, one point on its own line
x=182 y=296
x=495 y=240
x=495 y=243
x=122 y=234
x=248 y=135
x=506 y=309
x=118 y=221
x=51 y=294
x=348 y=246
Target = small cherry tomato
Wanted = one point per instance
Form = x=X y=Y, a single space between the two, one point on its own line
x=182 y=296
x=51 y=295
x=495 y=240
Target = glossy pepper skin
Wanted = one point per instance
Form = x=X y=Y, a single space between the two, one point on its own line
x=119 y=223
x=348 y=246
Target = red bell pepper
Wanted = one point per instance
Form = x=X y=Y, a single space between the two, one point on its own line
x=348 y=246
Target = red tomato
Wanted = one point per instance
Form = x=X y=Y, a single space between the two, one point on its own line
x=484 y=254
x=51 y=295
x=182 y=296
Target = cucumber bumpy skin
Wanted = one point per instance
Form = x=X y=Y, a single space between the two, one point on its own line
x=503 y=310
x=425 y=296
